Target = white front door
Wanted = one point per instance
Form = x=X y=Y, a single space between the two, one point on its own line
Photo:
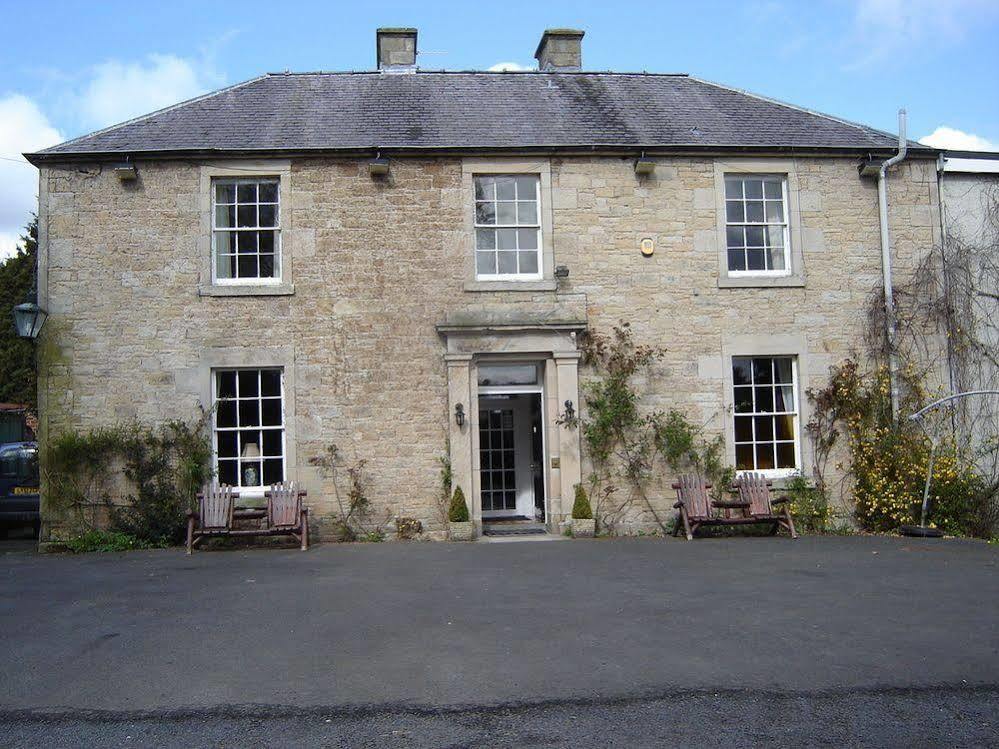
x=506 y=474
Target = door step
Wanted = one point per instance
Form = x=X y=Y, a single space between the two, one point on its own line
x=513 y=529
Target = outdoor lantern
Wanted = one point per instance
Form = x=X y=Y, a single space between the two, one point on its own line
x=644 y=165
x=561 y=271
x=459 y=415
x=29 y=318
x=570 y=412
x=378 y=166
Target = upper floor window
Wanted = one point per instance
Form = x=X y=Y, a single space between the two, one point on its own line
x=756 y=226
x=246 y=230
x=766 y=413
x=507 y=227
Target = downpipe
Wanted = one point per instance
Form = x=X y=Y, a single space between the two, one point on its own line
x=891 y=327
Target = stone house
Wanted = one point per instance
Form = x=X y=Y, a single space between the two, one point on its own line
x=401 y=262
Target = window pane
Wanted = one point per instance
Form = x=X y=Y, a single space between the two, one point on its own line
x=754 y=188
x=737 y=259
x=246 y=215
x=529 y=262
x=785 y=427
x=270 y=382
x=775 y=211
x=754 y=211
x=764 y=399
x=733 y=187
x=485 y=188
x=783 y=368
x=485 y=263
x=246 y=193
x=763 y=373
x=734 y=212
x=773 y=188
x=764 y=426
x=507 y=374
x=735 y=236
x=249 y=383
x=249 y=413
x=506 y=213
x=227 y=472
x=765 y=457
x=506 y=188
x=225 y=216
x=272 y=442
x=743 y=400
x=223 y=242
x=268 y=215
x=527 y=188
x=273 y=471
x=527 y=239
x=246 y=241
x=754 y=236
x=775 y=258
x=743 y=429
x=250 y=472
x=271 y=412
x=785 y=455
x=226 y=385
x=268 y=192
x=744 y=457
x=527 y=213
x=267 y=266
x=506 y=239
x=506 y=262
x=265 y=241
x=227 y=444
x=246 y=266
x=756 y=259
x=225 y=415
x=485 y=239
x=249 y=444
x=741 y=372
x=225 y=193
x=785 y=398
x=485 y=213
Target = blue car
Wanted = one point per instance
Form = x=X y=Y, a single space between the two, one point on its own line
x=19 y=486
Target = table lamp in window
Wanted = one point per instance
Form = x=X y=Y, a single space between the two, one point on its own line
x=251 y=471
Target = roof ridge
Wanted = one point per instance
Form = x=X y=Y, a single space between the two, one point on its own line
x=789 y=105
x=170 y=108
x=485 y=72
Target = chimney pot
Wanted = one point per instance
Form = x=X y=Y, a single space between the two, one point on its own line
x=396 y=49
x=560 y=50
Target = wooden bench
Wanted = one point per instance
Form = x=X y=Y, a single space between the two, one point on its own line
x=285 y=514
x=754 y=506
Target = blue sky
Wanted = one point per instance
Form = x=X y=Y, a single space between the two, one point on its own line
x=73 y=67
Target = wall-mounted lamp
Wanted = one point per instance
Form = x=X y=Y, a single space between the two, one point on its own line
x=561 y=271
x=126 y=171
x=459 y=414
x=378 y=166
x=570 y=412
x=644 y=165
x=28 y=319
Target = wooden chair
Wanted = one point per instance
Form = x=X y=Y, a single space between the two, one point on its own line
x=214 y=515
x=285 y=512
x=754 y=494
x=694 y=503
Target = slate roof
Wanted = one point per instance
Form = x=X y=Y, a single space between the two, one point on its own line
x=306 y=112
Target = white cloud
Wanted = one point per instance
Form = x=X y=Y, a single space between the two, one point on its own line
x=23 y=128
x=503 y=67
x=119 y=91
x=957 y=140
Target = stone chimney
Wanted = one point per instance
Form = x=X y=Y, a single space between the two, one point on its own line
x=396 y=49
x=560 y=50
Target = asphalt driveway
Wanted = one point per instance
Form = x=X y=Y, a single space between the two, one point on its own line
x=360 y=632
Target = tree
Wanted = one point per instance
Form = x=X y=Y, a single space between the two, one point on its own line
x=18 y=375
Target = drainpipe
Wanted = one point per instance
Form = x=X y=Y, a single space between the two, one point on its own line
x=886 y=261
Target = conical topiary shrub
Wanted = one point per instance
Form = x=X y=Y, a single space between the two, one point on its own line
x=581 y=509
x=458 y=511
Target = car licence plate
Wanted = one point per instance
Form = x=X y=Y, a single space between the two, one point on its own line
x=25 y=490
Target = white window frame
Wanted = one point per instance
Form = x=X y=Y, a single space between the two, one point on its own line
x=770 y=472
x=786 y=224
x=248 y=491
x=538 y=226
x=274 y=280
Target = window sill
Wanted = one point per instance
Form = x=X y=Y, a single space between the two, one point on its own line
x=543 y=285
x=277 y=289
x=759 y=282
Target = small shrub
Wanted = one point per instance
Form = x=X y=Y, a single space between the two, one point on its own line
x=809 y=505
x=581 y=509
x=458 y=511
x=106 y=541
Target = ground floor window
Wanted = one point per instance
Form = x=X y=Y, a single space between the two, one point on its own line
x=766 y=413
x=248 y=427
